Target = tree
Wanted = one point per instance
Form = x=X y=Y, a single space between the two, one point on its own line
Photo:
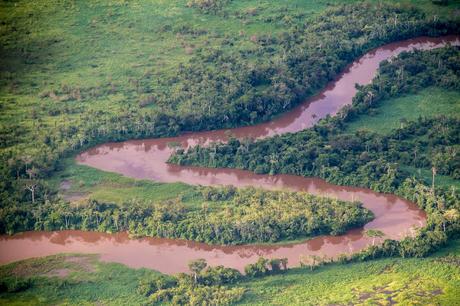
x=31 y=183
x=32 y=186
x=451 y=215
x=258 y=268
x=284 y=262
x=196 y=266
x=372 y=233
x=275 y=265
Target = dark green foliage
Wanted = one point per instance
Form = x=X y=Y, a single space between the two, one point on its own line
x=362 y=159
x=204 y=287
x=258 y=268
x=249 y=215
x=219 y=275
x=149 y=286
x=440 y=2
x=219 y=90
x=15 y=284
x=369 y=159
x=218 y=193
x=265 y=266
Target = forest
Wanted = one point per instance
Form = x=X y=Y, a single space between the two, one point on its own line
x=227 y=216
x=369 y=159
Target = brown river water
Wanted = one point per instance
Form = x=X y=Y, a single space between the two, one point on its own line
x=146 y=159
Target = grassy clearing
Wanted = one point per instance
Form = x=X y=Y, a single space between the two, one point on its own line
x=84 y=182
x=426 y=176
x=87 y=281
x=405 y=281
x=429 y=102
x=428 y=281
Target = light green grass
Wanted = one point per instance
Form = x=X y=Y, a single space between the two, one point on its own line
x=391 y=113
x=90 y=183
x=88 y=282
x=426 y=176
x=406 y=281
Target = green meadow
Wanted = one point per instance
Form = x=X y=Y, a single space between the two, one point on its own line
x=393 y=113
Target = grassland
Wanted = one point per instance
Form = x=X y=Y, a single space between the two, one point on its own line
x=427 y=281
x=75 y=279
x=392 y=113
x=79 y=183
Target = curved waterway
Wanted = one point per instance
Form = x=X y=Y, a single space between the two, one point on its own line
x=146 y=159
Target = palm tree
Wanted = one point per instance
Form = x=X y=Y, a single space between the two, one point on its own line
x=433 y=171
x=451 y=215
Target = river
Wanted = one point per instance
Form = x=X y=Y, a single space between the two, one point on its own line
x=146 y=159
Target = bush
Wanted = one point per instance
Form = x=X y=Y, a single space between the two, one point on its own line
x=14 y=284
x=208 y=6
x=219 y=276
x=150 y=286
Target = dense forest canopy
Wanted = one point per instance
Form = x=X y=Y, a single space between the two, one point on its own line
x=364 y=158
x=370 y=159
x=227 y=216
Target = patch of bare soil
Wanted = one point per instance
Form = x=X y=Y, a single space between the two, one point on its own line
x=82 y=261
x=65 y=185
x=61 y=273
x=74 y=196
x=70 y=196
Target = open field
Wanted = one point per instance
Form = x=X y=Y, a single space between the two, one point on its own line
x=393 y=113
x=74 y=279
x=79 y=183
x=406 y=281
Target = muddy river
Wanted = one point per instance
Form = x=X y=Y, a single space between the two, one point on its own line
x=146 y=159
